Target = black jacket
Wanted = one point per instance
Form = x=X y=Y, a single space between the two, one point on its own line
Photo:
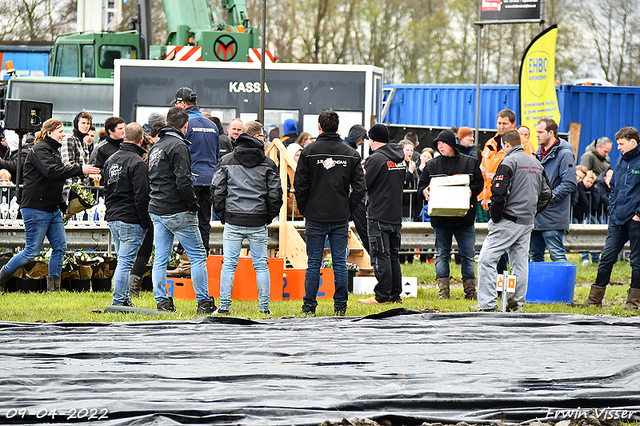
x=103 y=151
x=329 y=181
x=44 y=176
x=170 y=180
x=449 y=166
x=385 y=172
x=127 y=186
x=226 y=145
x=10 y=162
x=246 y=186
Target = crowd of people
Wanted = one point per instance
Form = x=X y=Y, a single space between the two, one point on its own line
x=168 y=178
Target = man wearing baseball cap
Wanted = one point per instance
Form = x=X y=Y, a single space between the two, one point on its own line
x=202 y=133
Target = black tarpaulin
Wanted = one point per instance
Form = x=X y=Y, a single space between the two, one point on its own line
x=409 y=368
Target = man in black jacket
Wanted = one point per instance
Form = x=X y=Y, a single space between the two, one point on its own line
x=127 y=199
x=329 y=184
x=174 y=211
x=384 y=174
x=247 y=196
x=114 y=127
x=450 y=162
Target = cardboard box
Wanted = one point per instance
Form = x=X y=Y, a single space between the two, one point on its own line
x=449 y=196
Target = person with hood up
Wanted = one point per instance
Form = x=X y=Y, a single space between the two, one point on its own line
x=247 y=196
x=290 y=129
x=556 y=156
x=451 y=162
x=174 y=211
x=74 y=148
x=384 y=175
x=356 y=137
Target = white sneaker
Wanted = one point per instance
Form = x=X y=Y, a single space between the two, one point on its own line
x=585 y=262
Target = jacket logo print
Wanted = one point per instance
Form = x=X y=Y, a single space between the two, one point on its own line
x=328 y=163
x=114 y=173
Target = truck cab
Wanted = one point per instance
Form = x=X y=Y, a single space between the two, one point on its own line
x=92 y=54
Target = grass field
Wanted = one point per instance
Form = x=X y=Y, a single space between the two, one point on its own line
x=79 y=307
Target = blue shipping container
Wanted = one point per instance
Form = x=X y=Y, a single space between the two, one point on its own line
x=601 y=111
x=27 y=60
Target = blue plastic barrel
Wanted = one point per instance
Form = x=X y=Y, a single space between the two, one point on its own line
x=551 y=282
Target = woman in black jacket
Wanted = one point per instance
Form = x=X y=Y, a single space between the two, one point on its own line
x=42 y=202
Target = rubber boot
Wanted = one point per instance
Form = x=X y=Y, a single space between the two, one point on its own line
x=4 y=277
x=443 y=287
x=53 y=283
x=633 y=299
x=469 y=285
x=184 y=268
x=596 y=294
x=135 y=283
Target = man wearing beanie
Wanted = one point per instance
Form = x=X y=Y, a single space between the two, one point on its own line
x=384 y=174
x=465 y=141
x=329 y=184
x=451 y=162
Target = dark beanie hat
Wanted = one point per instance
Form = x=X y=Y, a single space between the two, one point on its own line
x=379 y=133
x=447 y=137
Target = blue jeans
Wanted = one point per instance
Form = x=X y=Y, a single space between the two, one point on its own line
x=184 y=226
x=37 y=225
x=466 y=238
x=551 y=240
x=128 y=238
x=617 y=236
x=315 y=233
x=232 y=238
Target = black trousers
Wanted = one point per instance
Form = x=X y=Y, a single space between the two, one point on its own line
x=144 y=253
x=384 y=241
x=359 y=218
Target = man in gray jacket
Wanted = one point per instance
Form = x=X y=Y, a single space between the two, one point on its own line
x=247 y=196
x=556 y=156
x=519 y=190
x=596 y=156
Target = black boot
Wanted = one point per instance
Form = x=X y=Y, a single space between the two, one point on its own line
x=167 y=305
x=4 y=277
x=206 y=306
x=53 y=283
x=135 y=283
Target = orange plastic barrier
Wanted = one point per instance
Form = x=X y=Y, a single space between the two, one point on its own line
x=286 y=284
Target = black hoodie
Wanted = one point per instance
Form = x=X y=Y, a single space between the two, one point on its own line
x=458 y=164
x=246 y=188
x=384 y=174
x=103 y=151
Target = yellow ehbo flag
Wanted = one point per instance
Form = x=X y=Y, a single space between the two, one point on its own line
x=537 y=82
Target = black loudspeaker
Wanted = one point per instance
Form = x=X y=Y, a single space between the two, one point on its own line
x=26 y=116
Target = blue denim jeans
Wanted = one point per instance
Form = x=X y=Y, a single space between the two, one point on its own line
x=617 y=237
x=315 y=233
x=466 y=238
x=128 y=238
x=232 y=238
x=551 y=240
x=37 y=225
x=184 y=226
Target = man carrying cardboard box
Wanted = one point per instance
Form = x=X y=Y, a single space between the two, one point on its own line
x=450 y=163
